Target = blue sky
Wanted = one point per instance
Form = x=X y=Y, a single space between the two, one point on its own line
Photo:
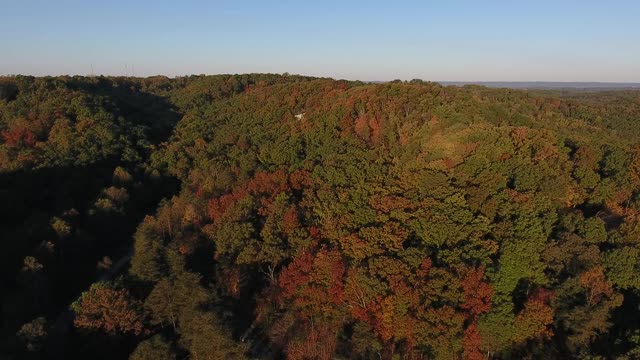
x=481 y=40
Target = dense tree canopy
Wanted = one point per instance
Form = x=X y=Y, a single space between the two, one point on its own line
x=322 y=219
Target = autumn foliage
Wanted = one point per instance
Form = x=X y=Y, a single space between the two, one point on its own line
x=108 y=309
x=308 y=218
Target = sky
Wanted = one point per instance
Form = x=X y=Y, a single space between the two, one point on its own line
x=454 y=40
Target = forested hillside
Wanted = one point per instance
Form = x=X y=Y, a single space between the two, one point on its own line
x=281 y=216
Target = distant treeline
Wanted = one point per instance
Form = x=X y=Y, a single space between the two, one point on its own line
x=548 y=85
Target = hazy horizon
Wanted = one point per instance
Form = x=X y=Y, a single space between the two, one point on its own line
x=572 y=41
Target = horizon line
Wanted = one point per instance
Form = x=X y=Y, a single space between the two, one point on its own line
x=333 y=78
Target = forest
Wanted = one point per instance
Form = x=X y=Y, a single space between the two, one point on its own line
x=265 y=216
